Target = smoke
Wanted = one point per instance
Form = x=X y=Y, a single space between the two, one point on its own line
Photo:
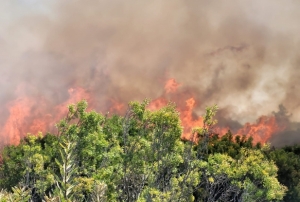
x=242 y=55
x=291 y=132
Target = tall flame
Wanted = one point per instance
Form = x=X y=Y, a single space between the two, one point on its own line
x=188 y=121
x=19 y=110
x=186 y=112
x=262 y=130
x=27 y=114
x=116 y=106
x=75 y=95
x=171 y=86
x=118 y=52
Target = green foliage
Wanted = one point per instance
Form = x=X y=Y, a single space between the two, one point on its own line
x=252 y=174
x=204 y=133
x=138 y=157
x=288 y=162
x=19 y=193
x=152 y=149
x=209 y=116
x=98 y=192
x=13 y=166
x=229 y=144
x=65 y=180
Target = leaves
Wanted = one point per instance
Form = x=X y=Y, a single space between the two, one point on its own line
x=67 y=167
x=139 y=157
x=254 y=176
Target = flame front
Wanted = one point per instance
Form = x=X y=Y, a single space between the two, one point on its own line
x=188 y=122
x=120 y=52
x=16 y=123
x=262 y=130
x=171 y=86
x=27 y=114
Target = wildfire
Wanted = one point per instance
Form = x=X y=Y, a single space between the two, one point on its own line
x=19 y=110
x=116 y=106
x=186 y=112
x=171 y=86
x=75 y=95
x=262 y=130
x=188 y=122
x=27 y=114
x=157 y=103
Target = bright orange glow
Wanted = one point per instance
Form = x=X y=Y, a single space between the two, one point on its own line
x=171 y=86
x=117 y=107
x=23 y=119
x=220 y=130
x=18 y=111
x=157 y=104
x=33 y=115
x=75 y=95
x=262 y=130
x=188 y=121
x=29 y=115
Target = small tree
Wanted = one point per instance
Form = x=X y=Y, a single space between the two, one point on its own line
x=67 y=168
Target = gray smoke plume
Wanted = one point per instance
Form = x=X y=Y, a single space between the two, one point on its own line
x=242 y=55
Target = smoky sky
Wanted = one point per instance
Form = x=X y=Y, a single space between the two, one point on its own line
x=243 y=56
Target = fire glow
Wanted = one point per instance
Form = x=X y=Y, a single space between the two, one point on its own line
x=26 y=115
x=261 y=131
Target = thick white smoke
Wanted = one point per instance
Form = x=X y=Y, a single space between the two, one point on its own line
x=242 y=55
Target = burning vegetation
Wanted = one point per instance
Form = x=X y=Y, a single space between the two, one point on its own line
x=183 y=55
x=192 y=53
x=26 y=115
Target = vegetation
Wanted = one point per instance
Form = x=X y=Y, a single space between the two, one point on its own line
x=140 y=157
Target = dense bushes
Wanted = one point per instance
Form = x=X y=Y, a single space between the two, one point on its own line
x=140 y=157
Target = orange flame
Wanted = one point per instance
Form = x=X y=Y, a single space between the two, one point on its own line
x=220 y=130
x=117 y=106
x=18 y=110
x=27 y=114
x=24 y=117
x=75 y=95
x=188 y=121
x=171 y=86
x=157 y=103
x=262 y=130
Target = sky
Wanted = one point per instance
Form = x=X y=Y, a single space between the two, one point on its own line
x=241 y=55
